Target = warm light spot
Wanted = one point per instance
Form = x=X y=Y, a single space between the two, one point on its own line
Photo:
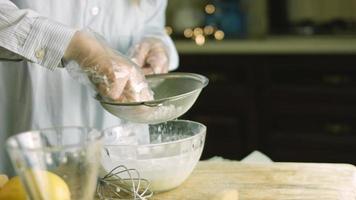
x=169 y=30
x=210 y=8
x=200 y=39
x=188 y=33
x=219 y=35
x=208 y=30
x=198 y=31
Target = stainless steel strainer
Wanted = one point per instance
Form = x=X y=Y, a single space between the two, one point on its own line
x=174 y=94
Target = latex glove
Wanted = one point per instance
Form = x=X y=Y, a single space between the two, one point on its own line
x=114 y=76
x=151 y=55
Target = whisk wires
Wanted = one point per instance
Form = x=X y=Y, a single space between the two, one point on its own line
x=122 y=183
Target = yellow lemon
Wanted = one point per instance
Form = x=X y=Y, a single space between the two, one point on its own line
x=13 y=190
x=43 y=185
x=3 y=180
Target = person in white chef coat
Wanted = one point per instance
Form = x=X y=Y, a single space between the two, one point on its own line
x=37 y=37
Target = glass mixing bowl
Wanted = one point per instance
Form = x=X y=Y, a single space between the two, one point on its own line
x=174 y=150
x=174 y=94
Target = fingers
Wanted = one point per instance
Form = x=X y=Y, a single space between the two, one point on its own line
x=152 y=56
x=114 y=76
x=140 y=53
x=138 y=86
x=128 y=84
x=110 y=79
x=147 y=70
x=118 y=85
x=158 y=61
x=108 y=76
x=120 y=81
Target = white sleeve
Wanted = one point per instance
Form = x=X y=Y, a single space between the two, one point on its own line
x=27 y=35
x=154 y=27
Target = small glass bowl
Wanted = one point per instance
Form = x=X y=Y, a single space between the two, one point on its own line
x=68 y=153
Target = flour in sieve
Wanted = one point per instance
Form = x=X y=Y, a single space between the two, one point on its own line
x=164 y=112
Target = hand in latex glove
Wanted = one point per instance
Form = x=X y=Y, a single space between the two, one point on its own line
x=113 y=75
x=151 y=55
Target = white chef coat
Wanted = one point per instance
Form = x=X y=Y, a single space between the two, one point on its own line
x=34 y=96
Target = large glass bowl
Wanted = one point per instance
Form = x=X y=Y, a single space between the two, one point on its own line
x=174 y=94
x=174 y=150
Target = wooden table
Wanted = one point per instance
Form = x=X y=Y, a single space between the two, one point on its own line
x=231 y=180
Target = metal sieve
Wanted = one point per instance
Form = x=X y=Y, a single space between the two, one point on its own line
x=174 y=94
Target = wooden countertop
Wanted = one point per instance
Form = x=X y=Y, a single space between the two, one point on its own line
x=273 y=45
x=230 y=180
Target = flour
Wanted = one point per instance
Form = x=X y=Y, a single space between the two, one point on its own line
x=128 y=133
x=168 y=159
x=164 y=173
x=164 y=112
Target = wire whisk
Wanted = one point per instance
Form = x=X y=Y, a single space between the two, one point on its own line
x=122 y=183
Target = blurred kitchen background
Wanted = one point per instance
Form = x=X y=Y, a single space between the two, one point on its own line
x=282 y=75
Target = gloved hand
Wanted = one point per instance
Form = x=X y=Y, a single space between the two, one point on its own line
x=151 y=55
x=114 y=76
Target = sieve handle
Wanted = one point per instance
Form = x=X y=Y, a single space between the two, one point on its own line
x=154 y=104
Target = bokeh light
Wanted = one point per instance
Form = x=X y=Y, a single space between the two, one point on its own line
x=219 y=35
x=198 y=31
x=200 y=40
x=188 y=33
x=210 y=9
x=169 y=30
x=208 y=30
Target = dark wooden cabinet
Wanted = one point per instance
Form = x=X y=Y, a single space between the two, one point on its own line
x=293 y=107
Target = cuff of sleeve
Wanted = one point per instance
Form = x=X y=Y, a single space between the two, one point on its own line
x=46 y=42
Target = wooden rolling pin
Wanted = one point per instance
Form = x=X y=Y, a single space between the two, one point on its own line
x=226 y=180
